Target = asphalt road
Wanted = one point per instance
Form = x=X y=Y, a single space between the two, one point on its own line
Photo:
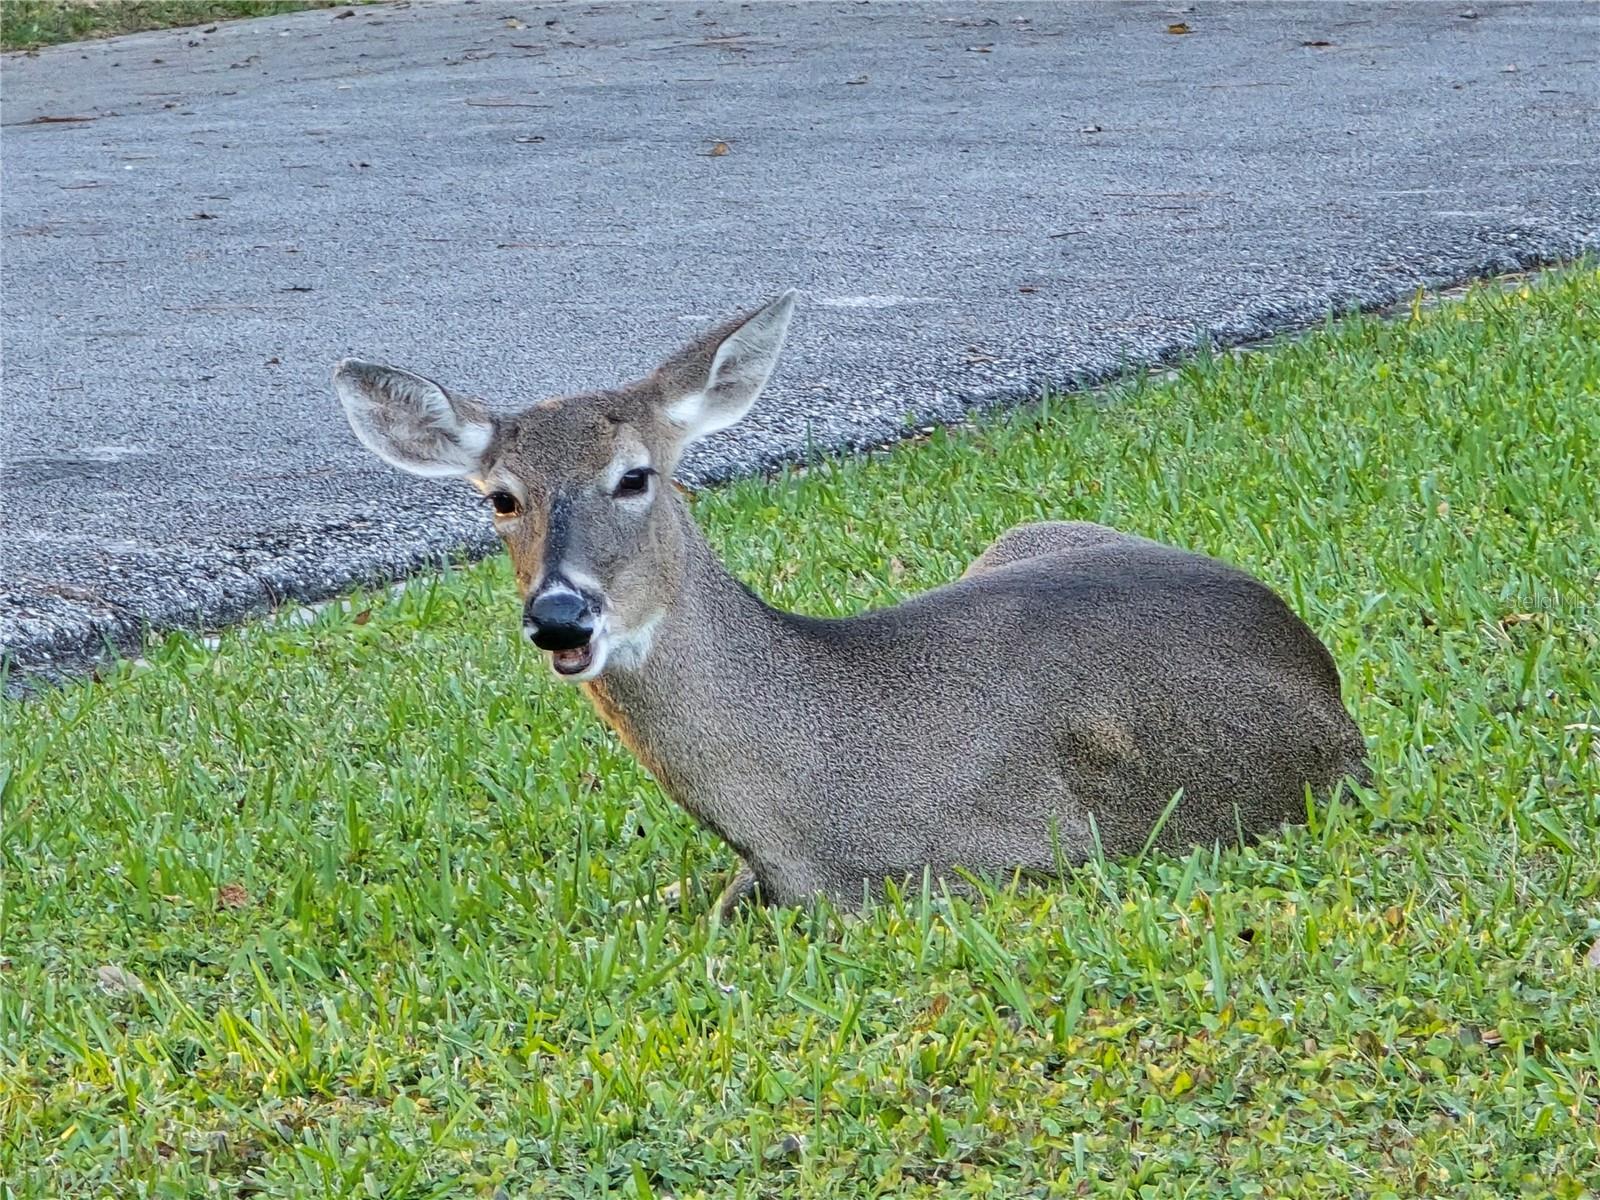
x=524 y=199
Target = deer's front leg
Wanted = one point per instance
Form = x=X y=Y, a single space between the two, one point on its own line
x=741 y=888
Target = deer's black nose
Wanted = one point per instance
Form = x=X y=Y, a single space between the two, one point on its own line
x=558 y=619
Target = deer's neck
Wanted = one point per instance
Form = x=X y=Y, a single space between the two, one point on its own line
x=715 y=702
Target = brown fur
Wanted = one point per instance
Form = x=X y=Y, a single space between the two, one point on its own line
x=615 y=717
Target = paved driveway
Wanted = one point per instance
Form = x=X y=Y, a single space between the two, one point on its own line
x=522 y=199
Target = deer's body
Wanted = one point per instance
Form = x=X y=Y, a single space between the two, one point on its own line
x=993 y=724
x=1053 y=699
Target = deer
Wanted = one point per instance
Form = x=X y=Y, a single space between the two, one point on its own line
x=1076 y=692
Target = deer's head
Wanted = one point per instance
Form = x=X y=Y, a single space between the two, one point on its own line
x=579 y=485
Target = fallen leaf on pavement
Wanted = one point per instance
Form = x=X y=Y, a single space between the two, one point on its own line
x=718 y=150
x=1179 y=28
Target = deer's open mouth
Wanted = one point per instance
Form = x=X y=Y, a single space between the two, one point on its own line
x=572 y=662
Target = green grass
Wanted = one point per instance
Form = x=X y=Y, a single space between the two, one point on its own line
x=339 y=909
x=30 y=24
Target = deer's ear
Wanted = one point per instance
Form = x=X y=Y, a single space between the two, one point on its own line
x=412 y=422
x=711 y=384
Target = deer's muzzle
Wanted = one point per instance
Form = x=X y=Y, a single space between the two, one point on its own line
x=559 y=619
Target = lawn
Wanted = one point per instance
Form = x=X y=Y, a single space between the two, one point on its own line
x=343 y=908
x=30 y=24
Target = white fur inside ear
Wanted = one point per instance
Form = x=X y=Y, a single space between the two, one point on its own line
x=739 y=370
x=410 y=422
x=689 y=414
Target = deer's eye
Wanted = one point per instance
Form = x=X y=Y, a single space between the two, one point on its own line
x=504 y=504
x=635 y=482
